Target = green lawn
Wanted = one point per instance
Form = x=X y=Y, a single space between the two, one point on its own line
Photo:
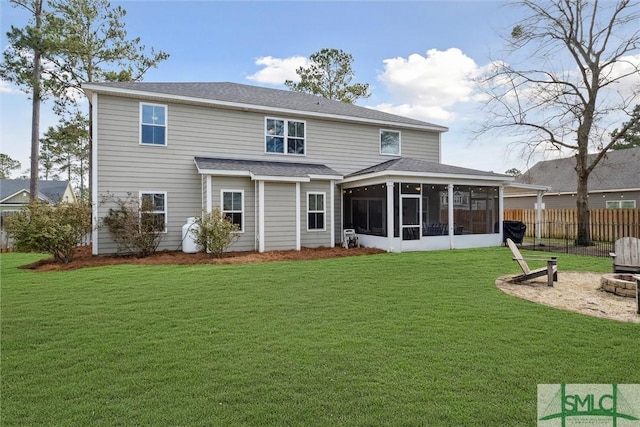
x=392 y=339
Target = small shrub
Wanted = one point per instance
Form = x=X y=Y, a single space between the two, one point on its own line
x=215 y=233
x=133 y=226
x=56 y=230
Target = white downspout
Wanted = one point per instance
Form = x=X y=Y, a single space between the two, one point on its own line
x=94 y=174
x=332 y=212
x=298 y=222
x=261 y=216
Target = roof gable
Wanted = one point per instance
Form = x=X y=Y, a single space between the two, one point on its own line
x=234 y=95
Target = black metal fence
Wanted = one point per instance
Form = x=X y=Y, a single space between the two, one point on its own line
x=560 y=237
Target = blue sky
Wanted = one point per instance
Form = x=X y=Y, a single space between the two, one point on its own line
x=417 y=56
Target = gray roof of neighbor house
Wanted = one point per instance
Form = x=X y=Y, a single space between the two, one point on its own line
x=265 y=168
x=240 y=96
x=406 y=164
x=619 y=169
x=50 y=191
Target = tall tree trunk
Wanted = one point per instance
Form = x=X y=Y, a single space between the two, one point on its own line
x=34 y=186
x=582 y=200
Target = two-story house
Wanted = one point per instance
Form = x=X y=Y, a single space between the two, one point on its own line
x=291 y=169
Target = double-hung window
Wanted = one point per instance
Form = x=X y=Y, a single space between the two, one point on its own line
x=315 y=211
x=390 y=142
x=284 y=136
x=233 y=207
x=153 y=124
x=153 y=211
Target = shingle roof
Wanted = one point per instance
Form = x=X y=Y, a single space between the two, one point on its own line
x=265 y=168
x=620 y=169
x=405 y=164
x=51 y=191
x=234 y=93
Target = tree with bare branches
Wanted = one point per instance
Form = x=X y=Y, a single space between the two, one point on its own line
x=577 y=79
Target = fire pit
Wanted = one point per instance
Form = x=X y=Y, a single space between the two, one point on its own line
x=620 y=284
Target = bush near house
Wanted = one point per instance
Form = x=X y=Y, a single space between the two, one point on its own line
x=215 y=233
x=133 y=224
x=56 y=230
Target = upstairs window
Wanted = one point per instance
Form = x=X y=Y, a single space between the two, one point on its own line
x=390 y=142
x=284 y=136
x=315 y=211
x=233 y=207
x=153 y=124
x=153 y=212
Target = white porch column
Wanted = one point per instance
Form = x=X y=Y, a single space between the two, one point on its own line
x=298 y=222
x=539 y=218
x=390 y=232
x=332 y=212
x=260 y=216
x=208 y=199
x=500 y=209
x=450 y=214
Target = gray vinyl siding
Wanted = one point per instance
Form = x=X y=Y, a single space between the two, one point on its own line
x=315 y=238
x=247 y=239
x=125 y=166
x=550 y=201
x=279 y=216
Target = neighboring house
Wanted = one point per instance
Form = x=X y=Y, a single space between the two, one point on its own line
x=614 y=183
x=15 y=195
x=291 y=169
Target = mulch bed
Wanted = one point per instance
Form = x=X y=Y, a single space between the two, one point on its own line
x=83 y=258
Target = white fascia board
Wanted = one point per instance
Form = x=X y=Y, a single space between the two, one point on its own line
x=280 y=178
x=218 y=172
x=253 y=107
x=528 y=186
x=422 y=175
x=326 y=177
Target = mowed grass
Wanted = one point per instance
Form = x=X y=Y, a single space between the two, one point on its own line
x=391 y=339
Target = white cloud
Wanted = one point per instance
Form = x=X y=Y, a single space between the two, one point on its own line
x=428 y=87
x=277 y=70
x=6 y=87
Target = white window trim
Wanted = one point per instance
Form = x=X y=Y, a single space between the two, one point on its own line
x=242 y=210
x=619 y=204
x=166 y=206
x=399 y=142
x=285 y=136
x=166 y=124
x=324 y=211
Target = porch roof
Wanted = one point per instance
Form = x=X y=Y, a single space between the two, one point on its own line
x=409 y=167
x=265 y=170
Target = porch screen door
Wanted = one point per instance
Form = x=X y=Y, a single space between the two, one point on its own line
x=410 y=218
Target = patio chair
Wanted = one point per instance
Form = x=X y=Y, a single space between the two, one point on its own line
x=626 y=258
x=350 y=238
x=551 y=270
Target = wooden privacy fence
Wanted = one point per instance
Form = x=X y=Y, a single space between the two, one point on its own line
x=606 y=224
